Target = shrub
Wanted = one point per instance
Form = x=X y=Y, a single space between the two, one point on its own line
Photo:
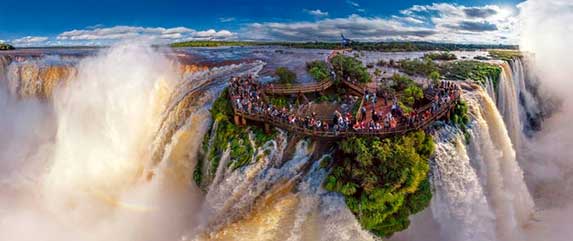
x=418 y=66
x=401 y=82
x=346 y=66
x=412 y=94
x=383 y=181
x=318 y=70
x=441 y=56
x=285 y=75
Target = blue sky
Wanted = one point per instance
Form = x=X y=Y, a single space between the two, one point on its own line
x=89 y=22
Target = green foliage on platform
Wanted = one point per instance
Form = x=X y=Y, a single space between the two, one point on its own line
x=346 y=66
x=279 y=101
x=318 y=70
x=435 y=76
x=286 y=76
x=383 y=181
x=412 y=94
x=401 y=82
x=5 y=46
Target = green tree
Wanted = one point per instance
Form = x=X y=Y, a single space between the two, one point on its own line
x=349 y=67
x=435 y=77
x=285 y=75
x=412 y=94
x=383 y=181
x=401 y=82
x=318 y=70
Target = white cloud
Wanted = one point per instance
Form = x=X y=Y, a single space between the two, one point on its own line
x=156 y=35
x=316 y=13
x=29 y=40
x=436 y=22
x=354 y=26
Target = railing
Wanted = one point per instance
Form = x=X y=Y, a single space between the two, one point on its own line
x=282 y=89
x=383 y=133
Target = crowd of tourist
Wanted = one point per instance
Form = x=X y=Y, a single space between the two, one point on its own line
x=247 y=96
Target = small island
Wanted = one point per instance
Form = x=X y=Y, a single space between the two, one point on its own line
x=5 y=46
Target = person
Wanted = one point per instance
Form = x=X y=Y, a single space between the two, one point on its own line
x=363 y=113
x=374 y=100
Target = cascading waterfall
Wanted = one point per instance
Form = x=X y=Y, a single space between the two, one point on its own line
x=267 y=200
x=491 y=89
x=480 y=193
x=508 y=104
x=34 y=78
x=459 y=202
x=517 y=104
x=117 y=161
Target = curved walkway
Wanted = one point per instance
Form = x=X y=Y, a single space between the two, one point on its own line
x=288 y=89
x=402 y=127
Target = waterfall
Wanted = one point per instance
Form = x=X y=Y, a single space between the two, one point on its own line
x=491 y=89
x=459 y=203
x=517 y=104
x=508 y=104
x=480 y=193
x=37 y=77
x=267 y=200
x=118 y=154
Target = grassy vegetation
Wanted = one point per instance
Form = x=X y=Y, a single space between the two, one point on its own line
x=279 y=101
x=412 y=92
x=286 y=76
x=228 y=135
x=5 y=46
x=460 y=117
x=474 y=70
x=346 y=66
x=505 y=54
x=318 y=70
x=383 y=181
x=441 y=56
x=421 y=67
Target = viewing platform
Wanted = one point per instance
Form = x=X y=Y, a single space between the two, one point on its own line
x=269 y=116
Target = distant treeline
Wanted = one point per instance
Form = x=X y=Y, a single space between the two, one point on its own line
x=4 y=46
x=366 y=46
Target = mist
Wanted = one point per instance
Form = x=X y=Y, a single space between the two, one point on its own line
x=547 y=34
x=75 y=168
